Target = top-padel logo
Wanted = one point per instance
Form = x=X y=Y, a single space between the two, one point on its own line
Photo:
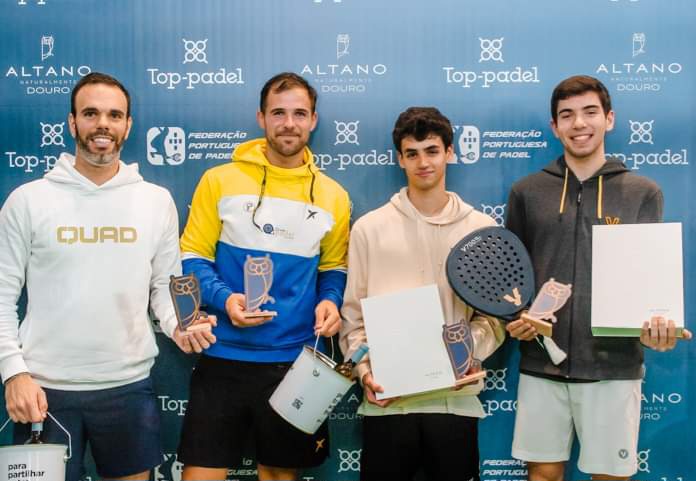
x=491 y=49
x=196 y=57
x=491 y=59
x=195 y=51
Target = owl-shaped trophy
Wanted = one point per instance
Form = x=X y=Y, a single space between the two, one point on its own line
x=186 y=296
x=258 y=278
x=552 y=296
x=460 y=348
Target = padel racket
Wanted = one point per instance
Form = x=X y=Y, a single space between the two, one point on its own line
x=491 y=271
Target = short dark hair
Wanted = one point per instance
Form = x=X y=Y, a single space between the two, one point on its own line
x=286 y=81
x=578 y=85
x=421 y=122
x=98 y=78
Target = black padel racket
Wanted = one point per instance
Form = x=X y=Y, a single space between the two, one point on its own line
x=491 y=271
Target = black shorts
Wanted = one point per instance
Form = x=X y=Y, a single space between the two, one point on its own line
x=228 y=408
x=443 y=446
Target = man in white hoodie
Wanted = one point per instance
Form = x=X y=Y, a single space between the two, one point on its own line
x=404 y=244
x=95 y=245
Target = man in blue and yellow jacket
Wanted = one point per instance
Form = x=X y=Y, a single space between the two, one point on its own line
x=271 y=200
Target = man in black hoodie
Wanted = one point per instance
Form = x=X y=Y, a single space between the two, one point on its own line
x=597 y=389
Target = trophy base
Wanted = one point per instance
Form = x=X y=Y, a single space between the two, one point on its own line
x=544 y=328
x=203 y=326
x=251 y=315
x=471 y=378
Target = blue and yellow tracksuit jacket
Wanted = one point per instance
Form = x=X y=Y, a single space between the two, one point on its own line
x=302 y=222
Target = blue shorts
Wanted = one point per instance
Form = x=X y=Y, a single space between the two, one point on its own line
x=122 y=426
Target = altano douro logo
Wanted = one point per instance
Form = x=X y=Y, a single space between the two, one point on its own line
x=490 y=69
x=642 y=72
x=342 y=75
x=195 y=54
x=49 y=77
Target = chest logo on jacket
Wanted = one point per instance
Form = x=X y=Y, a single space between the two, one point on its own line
x=608 y=220
x=94 y=235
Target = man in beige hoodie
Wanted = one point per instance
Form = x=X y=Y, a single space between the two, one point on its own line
x=402 y=245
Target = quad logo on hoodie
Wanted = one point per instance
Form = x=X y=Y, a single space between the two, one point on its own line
x=84 y=235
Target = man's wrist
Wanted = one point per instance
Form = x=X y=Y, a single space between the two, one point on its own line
x=15 y=376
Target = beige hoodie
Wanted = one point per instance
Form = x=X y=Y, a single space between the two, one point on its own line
x=394 y=248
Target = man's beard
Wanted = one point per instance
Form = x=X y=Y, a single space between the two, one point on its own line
x=286 y=151
x=94 y=159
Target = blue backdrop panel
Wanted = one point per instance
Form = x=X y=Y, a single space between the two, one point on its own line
x=195 y=69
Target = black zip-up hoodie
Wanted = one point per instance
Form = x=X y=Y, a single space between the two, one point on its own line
x=552 y=212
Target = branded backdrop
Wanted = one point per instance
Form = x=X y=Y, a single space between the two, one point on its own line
x=194 y=70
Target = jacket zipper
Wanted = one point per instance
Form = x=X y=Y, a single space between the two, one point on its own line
x=578 y=210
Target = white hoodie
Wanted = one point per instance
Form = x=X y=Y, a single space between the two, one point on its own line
x=394 y=248
x=93 y=258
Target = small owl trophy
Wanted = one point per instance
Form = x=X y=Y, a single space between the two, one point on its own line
x=552 y=296
x=460 y=347
x=186 y=296
x=258 y=278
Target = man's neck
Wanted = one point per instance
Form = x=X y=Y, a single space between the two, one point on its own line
x=97 y=175
x=584 y=168
x=428 y=203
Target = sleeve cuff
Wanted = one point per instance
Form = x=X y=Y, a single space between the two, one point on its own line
x=12 y=366
x=220 y=298
x=361 y=369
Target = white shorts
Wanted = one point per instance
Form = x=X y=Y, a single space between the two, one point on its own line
x=605 y=415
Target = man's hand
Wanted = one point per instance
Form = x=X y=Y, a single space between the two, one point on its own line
x=660 y=334
x=475 y=367
x=327 y=319
x=521 y=329
x=195 y=341
x=25 y=400
x=371 y=387
x=236 y=307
